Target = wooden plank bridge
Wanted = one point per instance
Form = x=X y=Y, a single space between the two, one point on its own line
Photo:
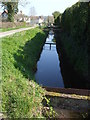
x=52 y=43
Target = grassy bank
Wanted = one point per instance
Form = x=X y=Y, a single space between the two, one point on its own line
x=21 y=96
x=8 y=29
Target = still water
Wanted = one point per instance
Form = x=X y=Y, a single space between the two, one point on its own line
x=48 y=67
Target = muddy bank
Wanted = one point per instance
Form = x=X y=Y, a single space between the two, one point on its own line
x=69 y=108
x=68 y=105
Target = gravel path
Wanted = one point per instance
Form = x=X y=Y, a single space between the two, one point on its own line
x=3 y=34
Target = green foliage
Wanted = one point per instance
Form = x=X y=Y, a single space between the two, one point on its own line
x=48 y=111
x=56 y=15
x=12 y=8
x=21 y=96
x=75 y=26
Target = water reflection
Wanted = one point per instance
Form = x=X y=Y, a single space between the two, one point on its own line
x=48 y=69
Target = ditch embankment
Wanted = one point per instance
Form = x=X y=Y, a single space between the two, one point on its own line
x=73 y=38
x=72 y=42
x=21 y=95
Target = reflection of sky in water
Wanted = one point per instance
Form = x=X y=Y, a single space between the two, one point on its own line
x=49 y=38
x=48 y=69
x=47 y=47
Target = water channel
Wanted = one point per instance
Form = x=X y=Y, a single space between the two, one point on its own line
x=51 y=73
x=48 y=67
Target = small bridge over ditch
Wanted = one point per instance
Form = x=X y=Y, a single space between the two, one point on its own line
x=52 y=43
x=55 y=28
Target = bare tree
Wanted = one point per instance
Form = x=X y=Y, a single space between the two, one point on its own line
x=24 y=3
x=32 y=11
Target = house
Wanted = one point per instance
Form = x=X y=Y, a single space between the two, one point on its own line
x=40 y=21
x=27 y=19
x=34 y=20
x=20 y=17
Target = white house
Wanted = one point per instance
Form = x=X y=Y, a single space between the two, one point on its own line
x=40 y=21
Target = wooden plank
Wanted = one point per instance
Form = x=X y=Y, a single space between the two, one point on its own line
x=69 y=91
x=51 y=43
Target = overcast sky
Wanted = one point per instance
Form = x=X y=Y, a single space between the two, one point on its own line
x=47 y=7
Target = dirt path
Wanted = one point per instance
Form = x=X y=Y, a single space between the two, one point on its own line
x=3 y=34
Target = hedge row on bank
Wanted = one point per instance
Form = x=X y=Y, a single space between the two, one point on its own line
x=74 y=36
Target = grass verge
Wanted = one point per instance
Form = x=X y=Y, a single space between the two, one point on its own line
x=8 y=29
x=21 y=96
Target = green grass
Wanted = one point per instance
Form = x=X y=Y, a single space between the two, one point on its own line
x=21 y=95
x=8 y=29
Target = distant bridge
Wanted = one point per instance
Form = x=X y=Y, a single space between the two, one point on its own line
x=54 y=27
x=52 y=43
